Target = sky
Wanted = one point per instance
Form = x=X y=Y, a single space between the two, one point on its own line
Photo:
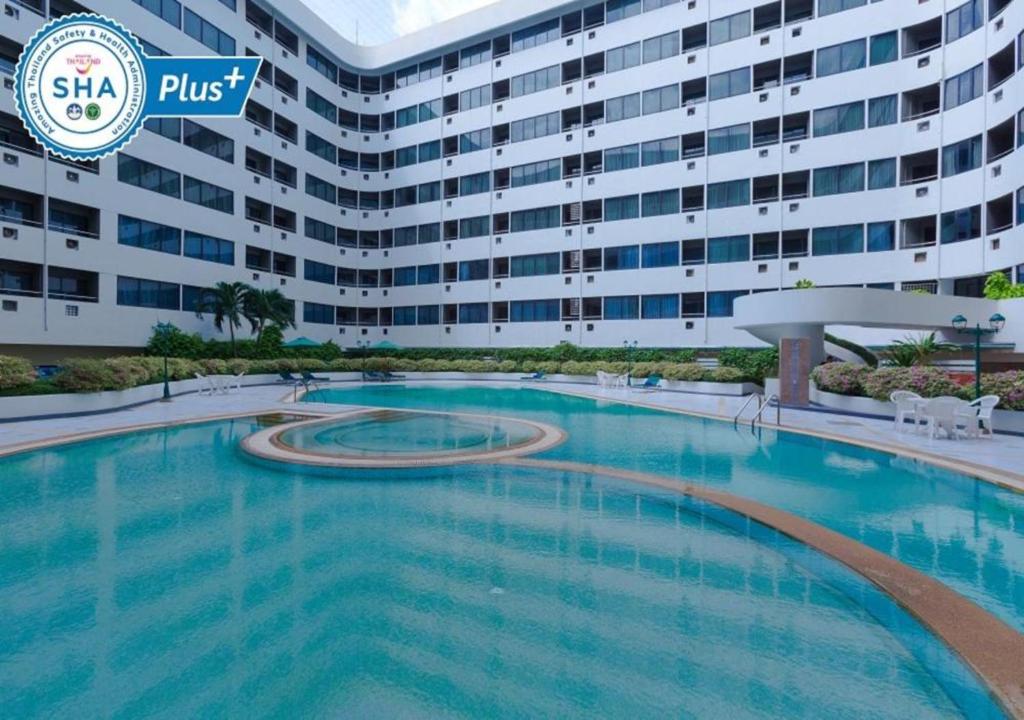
x=373 y=22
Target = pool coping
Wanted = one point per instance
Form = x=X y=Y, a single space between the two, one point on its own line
x=266 y=444
x=993 y=475
x=987 y=645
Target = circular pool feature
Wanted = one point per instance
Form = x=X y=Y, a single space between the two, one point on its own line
x=402 y=438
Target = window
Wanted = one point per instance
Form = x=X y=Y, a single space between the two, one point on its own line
x=404 y=315
x=728 y=194
x=884 y=48
x=535 y=311
x=533 y=265
x=207 y=141
x=148 y=176
x=407 y=76
x=322 y=148
x=430 y=150
x=473 y=313
x=407 y=116
x=963 y=224
x=882 y=111
x=827 y=7
x=319 y=230
x=211 y=249
x=148 y=235
x=535 y=127
x=623 y=257
x=720 y=302
x=964 y=87
x=661 y=99
x=839 y=119
x=475 y=184
x=475 y=226
x=620 y=10
x=428 y=315
x=405 y=156
x=881 y=236
x=621 y=58
x=665 y=254
x=964 y=20
x=429 y=192
x=656 y=152
x=473 y=141
x=317 y=313
x=729 y=28
x=662 y=202
x=624 y=307
x=136 y=292
x=539 y=34
x=404 y=276
x=477 y=97
x=727 y=84
x=209 y=195
x=621 y=208
x=208 y=34
x=170 y=128
x=735 y=248
x=657 y=307
x=322 y=189
x=661 y=47
x=729 y=139
x=474 y=55
x=474 y=270
x=535 y=173
x=428 y=274
x=321 y=106
x=839 y=240
x=536 y=81
x=841 y=58
x=167 y=10
x=839 y=179
x=622 y=108
x=882 y=174
x=536 y=219
x=962 y=156
x=319 y=62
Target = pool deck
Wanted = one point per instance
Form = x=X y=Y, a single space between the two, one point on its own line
x=997 y=459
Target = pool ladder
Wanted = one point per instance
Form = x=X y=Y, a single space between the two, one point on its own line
x=762 y=404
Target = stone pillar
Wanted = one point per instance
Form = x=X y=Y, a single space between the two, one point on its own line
x=794 y=371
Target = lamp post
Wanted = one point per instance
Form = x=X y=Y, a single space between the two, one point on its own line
x=630 y=347
x=995 y=324
x=363 y=346
x=163 y=331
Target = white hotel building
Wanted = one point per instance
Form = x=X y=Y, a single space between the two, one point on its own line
x=532 y=172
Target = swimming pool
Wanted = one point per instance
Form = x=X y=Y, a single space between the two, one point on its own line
x=167 y=572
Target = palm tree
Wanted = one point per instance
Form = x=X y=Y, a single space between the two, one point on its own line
x=916 y=350
x=226 y=302
x=268 y=307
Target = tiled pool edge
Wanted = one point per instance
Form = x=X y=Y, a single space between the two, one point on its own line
x=987 y=645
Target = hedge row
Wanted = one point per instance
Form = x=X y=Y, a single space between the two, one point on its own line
x=94 y=375
x=926 y=381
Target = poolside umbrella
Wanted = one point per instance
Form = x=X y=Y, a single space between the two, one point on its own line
x=301 y=342
x=385 y=345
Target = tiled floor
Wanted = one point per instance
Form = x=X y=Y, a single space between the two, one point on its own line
x=1003 y=454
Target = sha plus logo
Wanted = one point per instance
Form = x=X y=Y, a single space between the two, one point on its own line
x=84 y=86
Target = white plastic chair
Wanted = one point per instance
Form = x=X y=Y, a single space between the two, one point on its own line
x=206 y=384
x=985 y=405
x=906 y=403
x=234 y=382
x=603 y=379
x=941 y=413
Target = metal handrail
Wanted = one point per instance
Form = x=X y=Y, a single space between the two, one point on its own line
x=761 y=408
x=736 y=418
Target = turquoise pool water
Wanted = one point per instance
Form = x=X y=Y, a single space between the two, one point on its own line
x=162 y=574
x=968 y=534
x=408 y=433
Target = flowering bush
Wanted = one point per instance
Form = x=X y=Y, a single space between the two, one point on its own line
x=690 y=372
x=924 y=380
x=841 y=378
x=15 y=371
x=1009 y=386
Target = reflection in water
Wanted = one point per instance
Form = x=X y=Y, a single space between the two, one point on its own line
x=162 y=572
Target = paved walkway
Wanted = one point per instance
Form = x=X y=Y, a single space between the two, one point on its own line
x=1000 y=459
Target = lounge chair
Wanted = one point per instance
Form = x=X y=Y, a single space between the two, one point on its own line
x=388 y=376
x=650 y=384
x=372 y=376
x=287 y=377
x=206 y=386
x=536 y=376
x=311 y=378
x=907 y=405
x=234 y=382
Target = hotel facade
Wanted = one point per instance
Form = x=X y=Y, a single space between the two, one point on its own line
x=530 y=173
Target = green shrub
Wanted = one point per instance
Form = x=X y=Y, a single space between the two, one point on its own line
x=756 y=365
x=39 y=387
x=1009 y=386
x=840 y=378
x=175 y=343
x=688 y=372
x=924 y=380
x=725 y=375
x=85 y=375
x=15 y=371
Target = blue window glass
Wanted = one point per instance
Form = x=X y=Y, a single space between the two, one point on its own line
x=136 y=292
x=882 y=174
x=621 y=208
x=839 y=240
x=660 y=306
x=317 y=313
x=535 y=311
x=881 y=236
x=664 y=254
x=213 y=249
x=841 y=58
x=428 y=315
x=734 y=248
x=148 y=235
x=732 y=193
x=624 y=257
x=208 y=34
x=624 y=307
x=473 y=313
x=404 y=315
x=720 y=302
x=884 y=48
x=428 y=274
